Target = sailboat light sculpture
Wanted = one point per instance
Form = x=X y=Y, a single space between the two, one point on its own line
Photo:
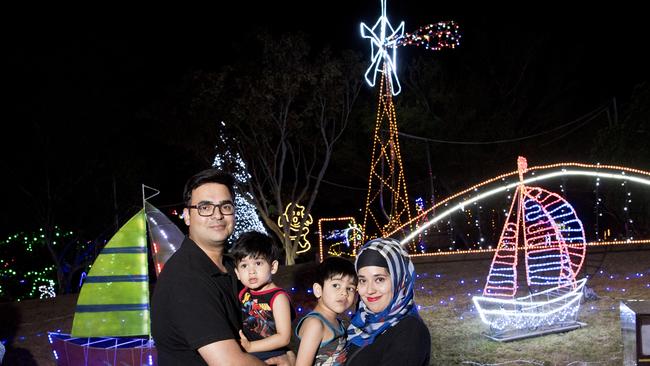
x=554 y=251
x=111 y=324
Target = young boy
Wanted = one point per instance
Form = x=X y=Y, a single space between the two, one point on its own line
x=322 y=335
x=267 y=312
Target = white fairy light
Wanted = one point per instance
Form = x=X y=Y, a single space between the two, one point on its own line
x=497 y=190
x=246 y=215
x=526 y=312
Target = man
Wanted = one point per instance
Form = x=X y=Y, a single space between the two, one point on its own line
x=195 y=313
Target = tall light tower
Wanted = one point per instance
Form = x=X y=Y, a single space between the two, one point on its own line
x=387 y=204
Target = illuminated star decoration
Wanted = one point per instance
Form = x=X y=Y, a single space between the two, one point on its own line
x=384 y=47
x=380 y=48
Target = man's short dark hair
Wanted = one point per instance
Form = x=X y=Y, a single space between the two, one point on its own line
x=208 y=176
x=255 y=245
x=332 y=267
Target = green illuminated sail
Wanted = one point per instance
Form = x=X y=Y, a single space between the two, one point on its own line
x=114 y=300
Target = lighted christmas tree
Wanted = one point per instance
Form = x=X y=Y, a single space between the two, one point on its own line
x=231 y=161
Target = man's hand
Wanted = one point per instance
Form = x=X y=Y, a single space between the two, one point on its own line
x=245 y=343
x=288 y=359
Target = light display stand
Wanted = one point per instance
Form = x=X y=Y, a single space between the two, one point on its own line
x=387 y=198
x=635 y=330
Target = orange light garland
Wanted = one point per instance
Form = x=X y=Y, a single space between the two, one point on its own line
x=386 y=154
x=513 y=173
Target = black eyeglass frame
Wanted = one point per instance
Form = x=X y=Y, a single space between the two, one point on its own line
x=214 y=207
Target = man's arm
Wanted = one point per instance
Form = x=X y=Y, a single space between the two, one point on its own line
x=287 y=359
x=227 y=353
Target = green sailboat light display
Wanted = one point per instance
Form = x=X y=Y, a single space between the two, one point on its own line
x=111 y=324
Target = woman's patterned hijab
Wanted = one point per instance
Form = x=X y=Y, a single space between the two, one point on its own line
x=366 y=325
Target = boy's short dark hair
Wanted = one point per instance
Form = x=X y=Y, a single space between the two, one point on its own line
x=332 y=267
x=254 y=244
x=210 y=175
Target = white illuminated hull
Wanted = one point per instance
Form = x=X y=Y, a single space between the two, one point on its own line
x=558 y=305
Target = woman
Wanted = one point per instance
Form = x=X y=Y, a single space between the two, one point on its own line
x=386 y=330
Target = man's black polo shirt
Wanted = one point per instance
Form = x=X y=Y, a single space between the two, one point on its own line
x=194 y=304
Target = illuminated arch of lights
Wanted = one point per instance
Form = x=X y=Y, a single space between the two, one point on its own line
x=590 y=170
x=478 y=251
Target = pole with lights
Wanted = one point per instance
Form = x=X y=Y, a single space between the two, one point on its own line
x=387 y=205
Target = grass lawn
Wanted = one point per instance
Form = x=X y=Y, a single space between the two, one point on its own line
x=456 y=328
x=444 y=290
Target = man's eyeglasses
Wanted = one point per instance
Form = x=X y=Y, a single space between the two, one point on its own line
x=207 y=209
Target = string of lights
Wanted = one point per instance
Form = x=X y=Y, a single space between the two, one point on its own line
x=26 y=270
x=433 y=37
x=344 y=231
x=492 y=250
x=385 y=155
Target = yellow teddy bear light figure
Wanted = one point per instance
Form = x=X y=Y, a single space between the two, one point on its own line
x=293 y=214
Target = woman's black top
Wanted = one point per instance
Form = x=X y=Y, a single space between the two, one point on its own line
x=406 y=344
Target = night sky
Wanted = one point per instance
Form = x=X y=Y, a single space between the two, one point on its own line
x=79 y=86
